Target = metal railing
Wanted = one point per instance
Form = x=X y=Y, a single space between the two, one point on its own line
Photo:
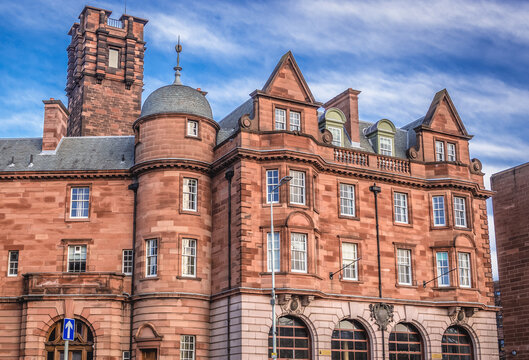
x=115 y=23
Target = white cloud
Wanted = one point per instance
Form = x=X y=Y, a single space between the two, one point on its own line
x=25 y=124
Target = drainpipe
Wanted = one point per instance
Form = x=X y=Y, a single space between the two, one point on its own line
x=134 y=187
x=229 y=176
x=376 y=190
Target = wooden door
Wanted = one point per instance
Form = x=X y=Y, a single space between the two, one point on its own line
x=148 y=354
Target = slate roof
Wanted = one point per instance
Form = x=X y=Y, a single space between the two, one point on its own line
x=177 y=99
x=230 y=124
x=73 y=153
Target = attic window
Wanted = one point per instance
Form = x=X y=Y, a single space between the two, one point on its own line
x=336 y=135
x=113 y=58
x=386 y=146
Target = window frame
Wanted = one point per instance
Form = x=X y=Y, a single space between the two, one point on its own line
x=440 y=153
x=269 y=251
x=380 y=147
x=118 y=56
x=448 y=152
x=399 y=264
x=191 y=135
x=74 y=246
x=69 y=209
x=11 y=262
x=445 y=213
x=193 y=343
x=304 y=251
x=191 y=256
x=464 y=212
x=348 y=261
x=469 y=269
x=341 y=199
x=124 y=261
x=438 y=269
x=148 y=274
x=186 y=208
x=303 y=187
x=407 y=208
x=290 y=125
x=339 y=131
x=276 y=122
x=269 y=186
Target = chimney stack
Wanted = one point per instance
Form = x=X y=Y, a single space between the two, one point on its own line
x=55 y=123
x=347 y=102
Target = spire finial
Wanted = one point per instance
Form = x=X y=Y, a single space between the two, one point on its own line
x=177 y=68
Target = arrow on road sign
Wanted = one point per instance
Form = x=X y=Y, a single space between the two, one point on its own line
x=68 y=329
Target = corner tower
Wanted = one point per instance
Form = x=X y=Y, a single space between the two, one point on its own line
x=105 y=73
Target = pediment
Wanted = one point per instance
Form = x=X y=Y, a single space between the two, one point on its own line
x=442 y=116
x=287 y=81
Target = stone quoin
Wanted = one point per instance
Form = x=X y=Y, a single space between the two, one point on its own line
x=150 y=226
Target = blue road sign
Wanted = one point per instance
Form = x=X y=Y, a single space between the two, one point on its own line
x=68 y=329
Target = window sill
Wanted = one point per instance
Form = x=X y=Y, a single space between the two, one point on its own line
x=462 y=228
x=87 y=219
x=193 y=137
x=190 y=212
x=351 y=281
x=300 y=206
x=179 y=277
x=150 y=278
x=408 y=225
x=349 y=217
x=405 y=286
x=291 y=274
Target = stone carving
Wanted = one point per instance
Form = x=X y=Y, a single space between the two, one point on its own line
x=294 y=304
x=382 y=314
x=476 y=166
x=412 y=153
x=245 y=121
x=326 y=136
x=459 y=315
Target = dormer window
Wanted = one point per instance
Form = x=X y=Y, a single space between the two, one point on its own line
x=381 y=135
x=280 y=119
x=334 y=121
x=336 y=135
x=386 y=146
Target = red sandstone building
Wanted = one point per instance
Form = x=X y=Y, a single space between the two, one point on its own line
x=150 y=225
x=511 y=211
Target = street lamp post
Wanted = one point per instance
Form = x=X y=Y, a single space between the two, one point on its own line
x=283 y=180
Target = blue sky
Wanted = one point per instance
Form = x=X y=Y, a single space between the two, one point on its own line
x=398 y=53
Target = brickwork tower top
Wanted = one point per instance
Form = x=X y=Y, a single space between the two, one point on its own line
x=105 y=73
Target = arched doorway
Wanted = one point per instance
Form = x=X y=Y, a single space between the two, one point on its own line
x=81 y=348
x=405 y=343
x=293 y=339
x=350 y=341
x=456 y=344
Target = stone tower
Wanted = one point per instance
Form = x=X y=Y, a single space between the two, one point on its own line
x=105 y=73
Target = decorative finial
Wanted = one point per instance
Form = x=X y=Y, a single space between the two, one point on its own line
x=177 y=68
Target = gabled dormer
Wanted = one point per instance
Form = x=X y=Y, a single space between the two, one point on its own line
x=381 y=135
x=439 y=136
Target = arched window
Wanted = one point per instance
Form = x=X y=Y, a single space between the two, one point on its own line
x=81 y=348
x=456 y=344
x=293 y=340
x=405 y=343
x=350 y=341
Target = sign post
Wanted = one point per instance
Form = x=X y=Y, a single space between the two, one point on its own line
x=68 y=332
